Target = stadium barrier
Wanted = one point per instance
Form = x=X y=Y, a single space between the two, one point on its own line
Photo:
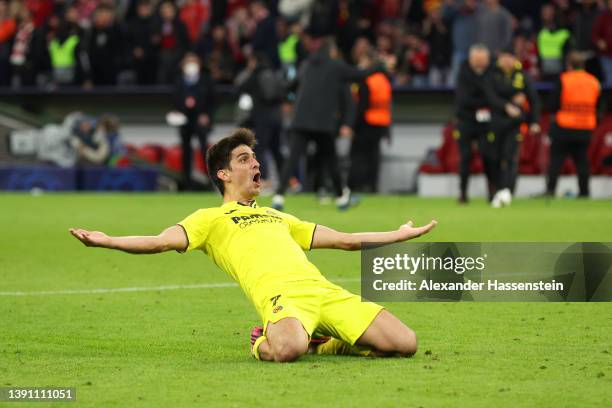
x=51 y=178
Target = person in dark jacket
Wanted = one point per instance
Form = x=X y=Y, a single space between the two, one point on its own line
x=474 y=117
x=268 y=92
x=194 y=98
x=170 y=39
x=140 y=43
x=513 y=101
x=316 y=117
x=104 y=46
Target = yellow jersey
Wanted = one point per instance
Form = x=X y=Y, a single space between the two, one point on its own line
x=260 y=248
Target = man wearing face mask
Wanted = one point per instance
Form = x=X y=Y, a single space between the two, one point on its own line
x=194 y=98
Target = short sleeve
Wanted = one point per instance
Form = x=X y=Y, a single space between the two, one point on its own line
x=196 y=227
x=302 y=232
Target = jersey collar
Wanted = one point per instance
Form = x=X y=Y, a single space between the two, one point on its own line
x=252 y=204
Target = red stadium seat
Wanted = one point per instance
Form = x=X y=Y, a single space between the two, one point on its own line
x=173 y=158
x=150 y=153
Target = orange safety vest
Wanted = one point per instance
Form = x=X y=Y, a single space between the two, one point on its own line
x=379 y=104
x=579 y=93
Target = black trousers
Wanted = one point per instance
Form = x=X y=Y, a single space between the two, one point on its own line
x=268 y=133
x=326 y=152
x=186 y=132
x=365 y=158
x=470 y=134
x=507 y=136
x=575 y=144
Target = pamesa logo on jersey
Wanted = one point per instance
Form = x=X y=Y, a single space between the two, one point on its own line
x=244 y=221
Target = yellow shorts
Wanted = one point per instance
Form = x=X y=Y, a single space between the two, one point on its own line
x=324 y=309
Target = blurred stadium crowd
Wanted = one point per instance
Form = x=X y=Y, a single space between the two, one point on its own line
x=423 y=42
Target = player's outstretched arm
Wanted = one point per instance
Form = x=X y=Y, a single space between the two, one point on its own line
x=325 y=237
x=171 y=239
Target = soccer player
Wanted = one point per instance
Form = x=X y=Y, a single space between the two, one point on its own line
x=263 y=250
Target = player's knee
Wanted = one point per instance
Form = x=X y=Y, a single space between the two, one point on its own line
x=288 y=351
x=407 y=344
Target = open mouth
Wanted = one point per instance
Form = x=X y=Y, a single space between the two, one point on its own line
x=257 y=178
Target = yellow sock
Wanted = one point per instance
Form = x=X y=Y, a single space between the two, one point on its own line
x=256 y=346
x=339 y=347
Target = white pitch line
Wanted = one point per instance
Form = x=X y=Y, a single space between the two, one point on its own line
x=138 y=289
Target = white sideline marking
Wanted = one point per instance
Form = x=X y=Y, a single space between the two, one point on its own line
x=139 y=289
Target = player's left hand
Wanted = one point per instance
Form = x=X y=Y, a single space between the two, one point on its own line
x=91 y=238
x=408 y=231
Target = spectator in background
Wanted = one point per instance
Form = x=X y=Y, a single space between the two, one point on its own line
x=373 y=121
x=85 y=9
x=324 y=15
x=495 y=26
x=602 y=38
x=194 y=98
x=386 y=52
x=461 y=16
x=354 y=23
x=40 y=10
x=27 y=52
x=267 y=89
x=139 y=33
x=582 y=30
x=239 y=29
x=553 y=41
x=527 y=54
x=438 y=37
x=170 y=36
x=564 y=12
x=264 y=38
x=105 y=47
x=218 y=55
x=414 y=62
x=8 y=28
x=195 y=14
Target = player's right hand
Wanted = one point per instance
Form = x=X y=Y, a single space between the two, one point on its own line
x=409 y=231
x=91 y=238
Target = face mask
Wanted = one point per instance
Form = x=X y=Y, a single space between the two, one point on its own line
x=191 y=69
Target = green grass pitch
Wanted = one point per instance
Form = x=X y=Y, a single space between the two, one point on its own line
x=190 y=346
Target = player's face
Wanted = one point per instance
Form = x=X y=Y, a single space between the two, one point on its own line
x=244 y=173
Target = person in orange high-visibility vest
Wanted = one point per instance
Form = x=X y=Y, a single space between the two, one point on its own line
x=373 y=120
x=575 y=100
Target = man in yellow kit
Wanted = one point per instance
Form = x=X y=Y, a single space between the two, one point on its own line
x=263 y=250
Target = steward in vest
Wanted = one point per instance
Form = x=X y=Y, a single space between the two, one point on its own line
x=474 y=117
x=575 y=100
x=372 y=124
x=552 y=43
x=513 y=101
x=64 y=50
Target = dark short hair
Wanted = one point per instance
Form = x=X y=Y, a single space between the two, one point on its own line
x=575 y=60
x=219 y=155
